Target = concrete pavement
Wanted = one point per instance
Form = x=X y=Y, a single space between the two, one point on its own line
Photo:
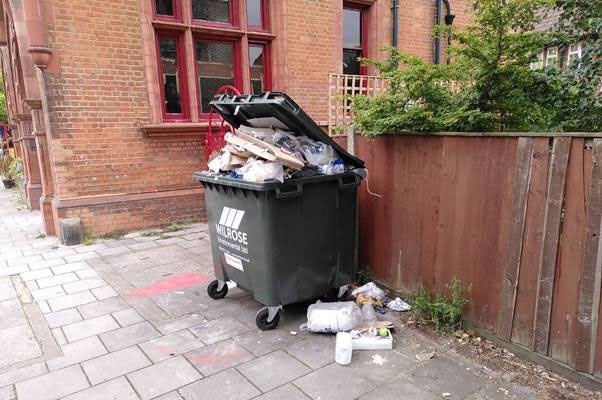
x=129 y=318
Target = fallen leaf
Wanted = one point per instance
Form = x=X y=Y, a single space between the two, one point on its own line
x=425 y=356
x=378 y=359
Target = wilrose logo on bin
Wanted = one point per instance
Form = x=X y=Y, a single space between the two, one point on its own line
x=228 y=224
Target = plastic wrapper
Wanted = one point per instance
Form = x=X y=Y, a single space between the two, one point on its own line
x=317 y=153
x=368 y=313
x=289 y=142
x=265 y=134
x=369 y=290
x=399 y=305
x=333 y=317
x=261 y=171
x=333 y=167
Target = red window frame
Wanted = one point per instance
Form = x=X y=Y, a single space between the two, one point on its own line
x=177 y=12
x=236 y=64
x=265 y=18
x=362 y=8
x=267 y=64
x=234 y=17
x=182 y=76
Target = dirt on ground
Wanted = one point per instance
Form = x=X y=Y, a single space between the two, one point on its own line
x=509 y=366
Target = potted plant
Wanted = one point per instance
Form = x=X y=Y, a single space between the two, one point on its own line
x=6 y=160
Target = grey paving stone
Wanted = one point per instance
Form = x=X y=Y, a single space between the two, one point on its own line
x=169 y=396
x=104 y=292
x=219 y=329
x=86 y=273
x=102 y=307
x=70 y=267
x=85 y=284
x=263 y=342
x=60 y=252
x=8 y=271
x=115 y=364
x=181 y=323
x=36 y=274
x=397 y=389
x=380 y=366
x=7 y=393
x=71 y=300
x=77 y=352
x=18 y=344
x=11 y=314
x=44 y=307
x=282 y=368
x=218 y=357
x=90 y=327
x=90 y=248
x=127 y=317
x=53 y=385
x=143 y=246
x=57 y=279
x=21 y=374
x=228 y=384
x=81 y=257
x=164 y=377
x=35 y=265
x=64 y=317
x=171 y=345
x=31 y=285
x=317 y=350
x=442 y=375
x=48 y=293
x=334 y=382
x=117 y=389
x=59 y=336
x=112 y=251
x=288 y=392
x=130 y=335
x=6 y=289
x=24 y=260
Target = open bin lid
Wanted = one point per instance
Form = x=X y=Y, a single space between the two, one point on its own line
x=275 y=110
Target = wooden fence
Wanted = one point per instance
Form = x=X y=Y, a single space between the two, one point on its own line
x=516 y=217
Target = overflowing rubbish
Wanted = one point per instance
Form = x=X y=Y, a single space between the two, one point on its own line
x=372 y=339
x=368 y=313
x=333 y=317
x=263 y=154
x=369 y=290
x=398 y=305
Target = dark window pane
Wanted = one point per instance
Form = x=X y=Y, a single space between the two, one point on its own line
x=164 y=7
x=350 y=63
x=169 y=66
x=352 y=27
x=211 y=10
x=254 y=12
x=215 y=68
x=257 y=70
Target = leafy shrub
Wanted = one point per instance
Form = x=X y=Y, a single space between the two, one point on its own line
x=442 y=312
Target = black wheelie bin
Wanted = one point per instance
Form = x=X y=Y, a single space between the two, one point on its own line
x=281 y=242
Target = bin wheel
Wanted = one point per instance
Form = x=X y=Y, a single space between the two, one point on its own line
x=214 y=293
x=262 y=320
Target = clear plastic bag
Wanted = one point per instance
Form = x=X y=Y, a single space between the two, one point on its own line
x=287 y=141
x=261 y=171
x=265 y=134
x=370 y=290
x=333 y=167
x=333 y=317
x=316 y=153
x=368 y=313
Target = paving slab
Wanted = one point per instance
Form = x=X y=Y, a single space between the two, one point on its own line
x=18 y=344
x=57 y=280
x=117 y=389
x=97 y=308
x=54 y=385
x=128 y=336
x=218 y=357
x=127 y=317
x=71 y=300
x=288 y=392
x=229 y=384
x=6 y=289
x=171 y=345
x=85 y=284
x=334 y=382
x=112 y=365
x=90 y=327
x=219 y=329
x=77 y=352
x=273 y=370
x=164 y=377
x=11 y=314
x=181 y=323
x=21 y=374
x=63 y=317
x=7 y=393
x=400 y=388
x=442 y=375
x=264 y=342
x=104 y=292
x=315 y=351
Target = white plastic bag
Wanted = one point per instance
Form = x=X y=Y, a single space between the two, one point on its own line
x=399 y=305
x=260 y=171
x=333 y=317
x=371 y=290
x=333 y=167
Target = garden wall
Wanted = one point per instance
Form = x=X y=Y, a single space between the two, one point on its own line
x=516 y=217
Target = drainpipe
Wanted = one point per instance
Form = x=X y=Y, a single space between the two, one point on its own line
x=395 y=10
x=449 y=19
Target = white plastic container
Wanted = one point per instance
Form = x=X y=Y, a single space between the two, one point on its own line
x=343 y=348
x=371 y=342
x=333 y=317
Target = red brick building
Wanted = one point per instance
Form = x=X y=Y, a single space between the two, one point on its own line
x=107 y=99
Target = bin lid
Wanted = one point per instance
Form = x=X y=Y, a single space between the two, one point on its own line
x=275 y=110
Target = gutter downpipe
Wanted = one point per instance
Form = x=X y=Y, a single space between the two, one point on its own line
x=449 y=19
x=395 y=10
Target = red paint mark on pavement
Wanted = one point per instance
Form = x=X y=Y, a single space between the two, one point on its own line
x=211 y=358
x=169 y=285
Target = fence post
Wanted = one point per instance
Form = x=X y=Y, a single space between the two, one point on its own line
x=351 y=140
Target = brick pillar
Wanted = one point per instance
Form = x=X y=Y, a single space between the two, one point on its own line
x=39 y=132
x=33 y=180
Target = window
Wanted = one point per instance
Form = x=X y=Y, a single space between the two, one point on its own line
x=260 y=76
x=354 y=45
x=206 y=43
x=537 y=64
x=552 y=57
x=574 y=53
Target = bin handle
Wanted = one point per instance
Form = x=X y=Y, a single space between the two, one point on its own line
x=349 y=185
x=293 y=193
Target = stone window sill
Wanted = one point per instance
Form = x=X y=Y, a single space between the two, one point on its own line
x=186 y=130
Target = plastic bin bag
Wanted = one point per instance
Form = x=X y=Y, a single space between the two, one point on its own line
x=317 y=153
x=334 y=167
x=369 y=290
x=261 y=171
x=333 y=317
